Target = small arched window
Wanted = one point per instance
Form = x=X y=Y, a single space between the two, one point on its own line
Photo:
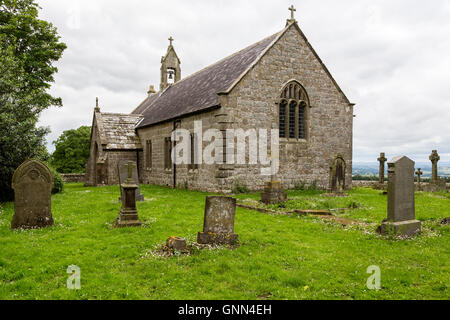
x=293 y=106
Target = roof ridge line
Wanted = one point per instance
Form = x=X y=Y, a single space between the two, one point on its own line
x=121 y=114
x=159 y=93
x=227 y=57
x=207 y=67
x=280 y=34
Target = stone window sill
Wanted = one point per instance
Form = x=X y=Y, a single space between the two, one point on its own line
x=293 y=140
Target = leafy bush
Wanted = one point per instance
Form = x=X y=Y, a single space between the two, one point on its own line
x=58 y=182
x=72 y=150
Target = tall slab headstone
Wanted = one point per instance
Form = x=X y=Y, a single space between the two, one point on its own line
x=337 y=175
x=32 y=183
x=401 y=204
x=122 y=168
x=218 y=227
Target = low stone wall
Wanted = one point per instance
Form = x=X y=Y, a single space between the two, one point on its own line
x=358 y=183
x=73 y=177
x=369 y=184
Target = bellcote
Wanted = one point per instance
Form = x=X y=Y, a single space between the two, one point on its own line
x=170 y=67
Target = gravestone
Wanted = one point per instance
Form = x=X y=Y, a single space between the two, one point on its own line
x=436 y=184
x=218 y=226
x=128 y=215
x=122 y=168
x=337 y=175
x=401 y=206
x=273 y=193
x=32 y=183
x=382 y=159
x=419 y=175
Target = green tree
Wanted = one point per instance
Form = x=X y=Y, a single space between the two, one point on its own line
x=72 y=150
x=28 y=48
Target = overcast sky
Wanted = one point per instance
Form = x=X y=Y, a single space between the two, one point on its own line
x=391 y=58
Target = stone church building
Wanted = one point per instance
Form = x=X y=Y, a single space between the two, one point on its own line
x=277 y=83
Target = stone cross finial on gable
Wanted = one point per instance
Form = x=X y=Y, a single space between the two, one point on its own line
x=292 y=9
x=171 y=40
x=97 y=108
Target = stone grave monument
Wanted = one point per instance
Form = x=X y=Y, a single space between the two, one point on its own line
x=337 y=176
x=122 y=168
x=272 y=191
x=419 y=175
x=436 y=184
x=382 y=159
x=32 y=183
x=401 y=206
x=218 y=227
x=128 y=215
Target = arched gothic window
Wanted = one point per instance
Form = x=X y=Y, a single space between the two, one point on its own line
x=292 y=111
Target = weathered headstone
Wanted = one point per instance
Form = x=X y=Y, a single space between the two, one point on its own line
x=32 y=183
x=382 y=159
x=419 y=175
x=218 y=227
x=401 y=206
x=122 y=168
x=436 y=184
x=128 y=215
x=337 y=174
x=273 y=193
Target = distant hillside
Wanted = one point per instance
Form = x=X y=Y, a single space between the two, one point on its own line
x=369 y=168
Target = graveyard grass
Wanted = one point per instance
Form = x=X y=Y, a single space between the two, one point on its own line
x=280 y=257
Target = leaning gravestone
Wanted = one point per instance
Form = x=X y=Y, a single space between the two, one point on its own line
x=401 y=207
x=122 y=167
x=218 y=227
x=32 y=183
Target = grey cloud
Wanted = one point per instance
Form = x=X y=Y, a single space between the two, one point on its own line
x=390 y=57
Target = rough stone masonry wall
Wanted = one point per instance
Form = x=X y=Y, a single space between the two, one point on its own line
x=203 y=179
x=252 y=104
x=113 y=159
x=73 y=177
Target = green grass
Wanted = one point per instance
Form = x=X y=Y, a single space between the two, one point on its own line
x=280 y=257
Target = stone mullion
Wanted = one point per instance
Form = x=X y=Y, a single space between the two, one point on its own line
x=286 y=117
x=296 y=121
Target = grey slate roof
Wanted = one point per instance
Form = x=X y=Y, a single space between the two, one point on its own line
x=118 y=130
x=199 y=91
